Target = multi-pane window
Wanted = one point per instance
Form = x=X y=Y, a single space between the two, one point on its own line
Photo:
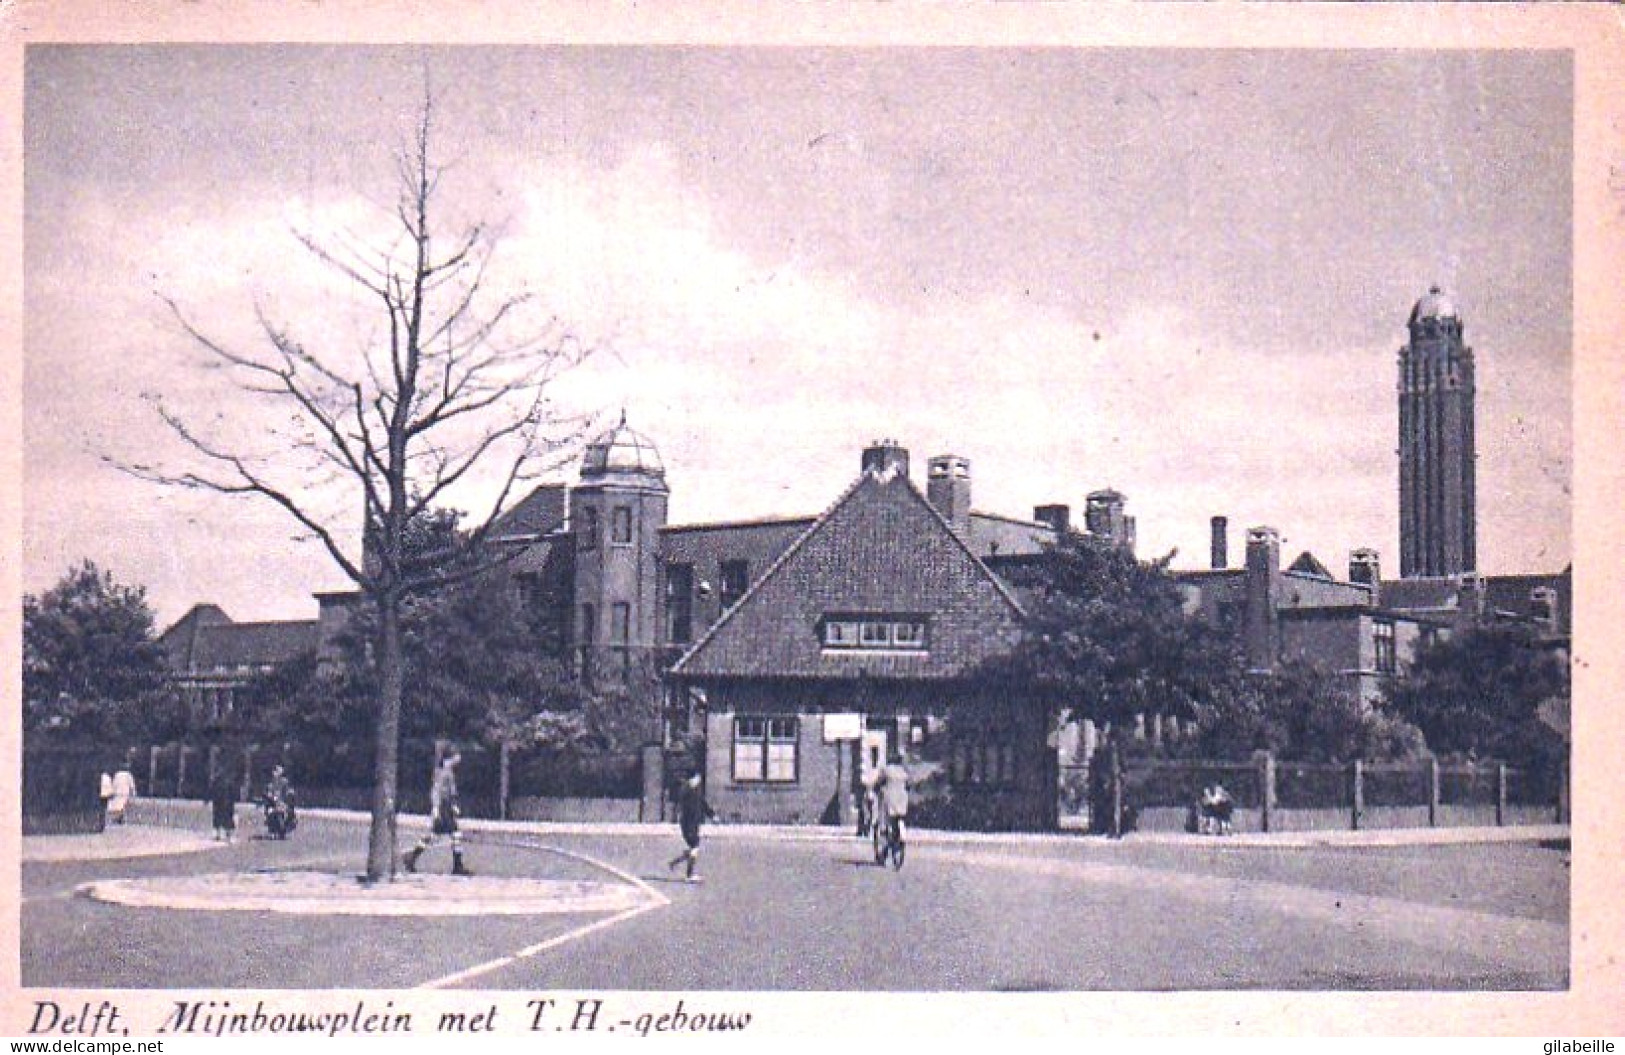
x=1383 y=633
x=679 y=603
x=764 y=750
x=620 y=529
x=735 y=579
x=903 y=633
x=587 y=529
x=988 y=763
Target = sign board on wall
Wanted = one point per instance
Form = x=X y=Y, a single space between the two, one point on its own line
x=842 y=727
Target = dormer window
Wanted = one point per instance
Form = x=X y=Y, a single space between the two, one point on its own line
x=873 y=633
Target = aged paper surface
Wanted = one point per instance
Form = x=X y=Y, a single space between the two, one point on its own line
x=709 y=37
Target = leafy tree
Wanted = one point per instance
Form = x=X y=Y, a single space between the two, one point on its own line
x=451 y=391
x=1476 y=694
x=91 y=664
x=1109 y=636
x=1302 y=712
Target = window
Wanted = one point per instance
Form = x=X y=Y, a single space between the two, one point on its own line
x=621 y=622
x=679 y=603
x=764 y=750
x=891 y=633
x=840 y=634
x=587 y=529
x=735 y=579
x=620 y=526
x=988 y=763
x=1384 y=639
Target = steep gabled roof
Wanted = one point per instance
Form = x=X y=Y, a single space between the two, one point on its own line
x=883 y=549
x=206 y=639
x=1308 y=564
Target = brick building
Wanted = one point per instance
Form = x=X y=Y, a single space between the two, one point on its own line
x=804 y=648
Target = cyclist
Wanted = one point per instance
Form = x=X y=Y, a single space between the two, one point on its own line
x=891 y=791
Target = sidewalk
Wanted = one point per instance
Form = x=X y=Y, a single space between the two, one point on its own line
x=810 y=833
x=1374 y=837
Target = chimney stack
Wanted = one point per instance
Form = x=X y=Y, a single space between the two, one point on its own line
x=947 y=487
x=1058 y=517
x=1262 y=590
x=1221 y=543
x=1365 y=568
x=1103 y=516
x=886 y=456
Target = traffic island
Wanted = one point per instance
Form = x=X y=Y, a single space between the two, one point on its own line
x=334 y=894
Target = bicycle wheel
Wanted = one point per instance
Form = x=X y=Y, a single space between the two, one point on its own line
x=881 y=843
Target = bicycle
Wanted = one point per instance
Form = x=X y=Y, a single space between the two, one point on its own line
x=888 y=842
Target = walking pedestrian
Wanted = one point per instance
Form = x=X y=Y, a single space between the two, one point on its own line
x=444 y=812
x=123 y=794
x=692 y=811
x=106 y=792
x=223 y=805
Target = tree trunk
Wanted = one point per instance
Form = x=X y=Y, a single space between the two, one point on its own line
x=381 y=845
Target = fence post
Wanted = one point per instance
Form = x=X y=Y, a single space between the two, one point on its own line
x=246 y=792
x=1266 y=791
x=502 y=780
x=152 y=769
x=1500 y=794
x=180 y=771
x=1433 y=792
x=1117 y=792
x=1359 y=794
x=1563 y=792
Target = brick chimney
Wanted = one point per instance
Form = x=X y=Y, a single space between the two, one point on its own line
x=1263 y=587
x=886 y=456
x=1221 y=543
x=1365 y=568
x=947 y=486
x=1058 y=517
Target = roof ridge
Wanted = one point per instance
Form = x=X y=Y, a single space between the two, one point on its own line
x=998 y=584
x=772 y=569
x=823 y=519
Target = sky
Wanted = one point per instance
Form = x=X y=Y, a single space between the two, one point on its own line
x=1183 y=274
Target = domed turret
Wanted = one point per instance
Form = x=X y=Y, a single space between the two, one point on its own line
x=622 y=452
x=1434 y=305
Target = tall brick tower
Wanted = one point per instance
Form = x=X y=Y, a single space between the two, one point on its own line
x=1438 y=524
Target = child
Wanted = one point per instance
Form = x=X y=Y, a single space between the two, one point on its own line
x=444 y=810
x=692 y=811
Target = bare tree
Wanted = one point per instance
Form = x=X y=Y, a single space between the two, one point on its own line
x=452 y=393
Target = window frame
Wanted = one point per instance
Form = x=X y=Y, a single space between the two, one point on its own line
x=757 y=735
x=679 y=602
x=1384 y=642
x=875 y=632
x=587 y=530
x=620 y=526
x=987 y=763
x=730 y=592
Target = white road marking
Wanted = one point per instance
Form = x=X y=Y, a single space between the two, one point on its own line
x=655 y=900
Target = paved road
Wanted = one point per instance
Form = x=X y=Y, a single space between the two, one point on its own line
x=1074 y=914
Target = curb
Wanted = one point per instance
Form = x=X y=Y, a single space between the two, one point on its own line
x=1380 y=837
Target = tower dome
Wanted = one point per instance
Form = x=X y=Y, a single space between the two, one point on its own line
x=1434 y=305
x=622 y=451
